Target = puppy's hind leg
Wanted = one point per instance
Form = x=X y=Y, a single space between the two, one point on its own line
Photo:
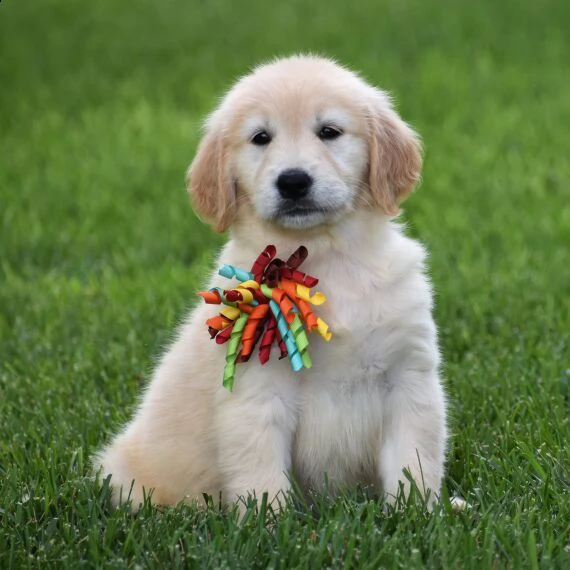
x=116 y=460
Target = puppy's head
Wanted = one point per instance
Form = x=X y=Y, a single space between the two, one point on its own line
x=301 y=142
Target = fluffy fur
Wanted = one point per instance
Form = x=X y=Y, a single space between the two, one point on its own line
x=373 y=404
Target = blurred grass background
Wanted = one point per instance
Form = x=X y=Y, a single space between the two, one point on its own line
x=100 y=106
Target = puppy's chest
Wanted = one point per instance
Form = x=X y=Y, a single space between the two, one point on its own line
x=342 y=396
x=356 y=300
x=359 y=317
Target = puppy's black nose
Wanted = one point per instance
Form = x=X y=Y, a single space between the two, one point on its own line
x=294 y=183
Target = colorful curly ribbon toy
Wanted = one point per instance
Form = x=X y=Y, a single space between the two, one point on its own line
x=272 y=303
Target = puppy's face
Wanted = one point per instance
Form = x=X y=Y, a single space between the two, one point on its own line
x=300 y=157
x=300 y=143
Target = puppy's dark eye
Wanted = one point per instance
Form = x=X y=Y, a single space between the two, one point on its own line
x=261 y=138
x=328 y=133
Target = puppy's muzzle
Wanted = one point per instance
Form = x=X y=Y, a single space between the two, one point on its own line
x=294 y=184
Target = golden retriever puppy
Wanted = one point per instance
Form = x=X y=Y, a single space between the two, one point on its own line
x=301 y=152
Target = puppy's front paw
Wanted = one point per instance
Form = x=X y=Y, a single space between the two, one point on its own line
x=261 y=504
x=458 y=504
x=274 y=494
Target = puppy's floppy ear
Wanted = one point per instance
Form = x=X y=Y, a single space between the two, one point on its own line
x=209 y=180
x=395 y=156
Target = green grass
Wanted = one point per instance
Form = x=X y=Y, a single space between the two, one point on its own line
x=100 y=254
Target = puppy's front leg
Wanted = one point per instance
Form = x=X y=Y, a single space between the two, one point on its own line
x=254 y=427
x=413 y=434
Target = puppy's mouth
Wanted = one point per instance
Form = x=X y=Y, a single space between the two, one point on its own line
x=301 y=211
x=302 y=214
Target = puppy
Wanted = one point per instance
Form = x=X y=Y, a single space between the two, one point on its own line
x=301 y=152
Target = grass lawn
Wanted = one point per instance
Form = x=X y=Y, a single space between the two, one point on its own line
x=100 y=257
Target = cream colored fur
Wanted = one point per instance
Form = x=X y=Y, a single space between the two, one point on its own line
x=373 y=403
